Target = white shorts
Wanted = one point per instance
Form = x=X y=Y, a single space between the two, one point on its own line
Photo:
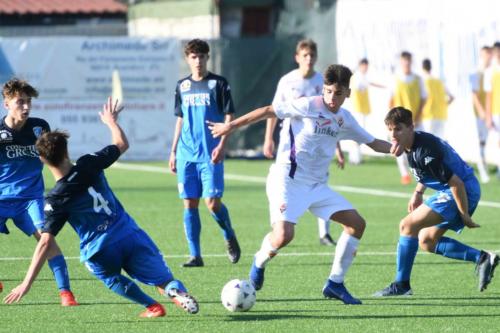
x=435 y=127
x=290 y=199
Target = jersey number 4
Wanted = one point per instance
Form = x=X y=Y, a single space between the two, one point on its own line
x=99 y=202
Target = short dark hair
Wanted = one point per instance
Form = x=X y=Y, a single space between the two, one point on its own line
x=337 y=74
x=363 y=61
x=306 y=44
x=426 y=65
x=196 y=46
x=496 y=45
x=406 y=55
x=399 y=115
x=486 y=48
x=53 y=147
x=16 y=86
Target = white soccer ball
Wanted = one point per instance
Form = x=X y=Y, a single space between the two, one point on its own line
x=238 y=295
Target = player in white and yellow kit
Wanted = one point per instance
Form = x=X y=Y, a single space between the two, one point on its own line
x=298 y=180
x=435 y=110
x=407 y=91
x=492 y=88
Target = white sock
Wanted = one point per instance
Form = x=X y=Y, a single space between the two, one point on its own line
x=344 y=254
x=266 y=253
x=402 y=164
x=323 y=227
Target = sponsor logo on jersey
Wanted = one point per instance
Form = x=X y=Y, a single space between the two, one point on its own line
x=201 y=99
x=212 y=84
x=323 y=122
x=48 y=208
x=37 y=130
x=428 y=159
x=15 y=151
x=185 y=86
x=5 y=136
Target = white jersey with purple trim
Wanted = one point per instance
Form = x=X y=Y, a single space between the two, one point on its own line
x=293 y=85
x=309 y=137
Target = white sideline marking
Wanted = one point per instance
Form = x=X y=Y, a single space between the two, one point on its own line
x=291 y=254
x=262 y=180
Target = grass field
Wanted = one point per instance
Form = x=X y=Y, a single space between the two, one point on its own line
x=445 y=291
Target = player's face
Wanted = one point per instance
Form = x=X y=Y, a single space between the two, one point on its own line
x=19 y=106
x=406 y=65
x=401 y=134
x=306 y=59
x=197 y=62
x=485 y=56
x=334 y=96
x=363 y=68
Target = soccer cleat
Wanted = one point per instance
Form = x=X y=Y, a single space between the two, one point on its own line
x=183 y=300
x=256 y=276
x=405 y=180
x=395 y=289
x=154 y=311
x=339 y=291
x=233 y=250
x=67 y=298
x=193 y=262
x=485 y=268
x=327 y=240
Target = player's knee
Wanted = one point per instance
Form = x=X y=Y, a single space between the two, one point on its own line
x=213 y=205
x=405 y=227
x=427 y=244
x=282 y=236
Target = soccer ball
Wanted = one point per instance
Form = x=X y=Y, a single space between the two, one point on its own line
x=238 y=295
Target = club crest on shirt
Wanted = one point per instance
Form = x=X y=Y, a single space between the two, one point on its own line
x=37 y=130
x=212 y=84
x=185 y=86
x=340 y=121
x=5 y=136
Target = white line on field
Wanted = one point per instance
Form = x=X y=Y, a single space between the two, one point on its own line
x=262 y=180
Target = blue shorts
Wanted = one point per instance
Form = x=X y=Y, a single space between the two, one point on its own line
x=200 y=179
x=443 y=203
x=26 y=214
x=137 y=255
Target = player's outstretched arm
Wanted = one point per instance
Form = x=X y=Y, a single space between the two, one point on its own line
x=382 y=146
x=220 y=129
x=109 y=116
x=268 y=147
x=43 y=247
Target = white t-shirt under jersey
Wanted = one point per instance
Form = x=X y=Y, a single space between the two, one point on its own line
x=309 y=137
x=292 y=86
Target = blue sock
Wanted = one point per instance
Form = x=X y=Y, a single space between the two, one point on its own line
x=407 y=250
x=451 y=248
x=125 y=287
x=175 y=284
x=222 y=218
x=60 y=270
x=192 y=227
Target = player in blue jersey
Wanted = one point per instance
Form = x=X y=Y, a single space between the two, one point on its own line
x=21 y=181
x=434 y=164
x=110 y=240
x=196 y=156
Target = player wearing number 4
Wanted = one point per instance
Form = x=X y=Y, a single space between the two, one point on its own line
x=434 y=164
x=110 y=240
x=297 y=182
x=21 y=181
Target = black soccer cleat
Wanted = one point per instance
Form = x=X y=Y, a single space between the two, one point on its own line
x=395 y=289
x=193 y=262
x=327 y=240
x=485 y=268
x=233 y=250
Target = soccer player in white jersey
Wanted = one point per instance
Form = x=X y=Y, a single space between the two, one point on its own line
x=298 y=181
x=303 y=81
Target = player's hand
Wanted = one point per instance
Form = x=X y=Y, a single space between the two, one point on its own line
x=396 y=149
x=219 y=129
x=110 y=111
x=468 y=222
x=416 y=200
x=171 y=163
x=340 y=161
x=268 y=149
x=217 y=154
x=17 y=293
